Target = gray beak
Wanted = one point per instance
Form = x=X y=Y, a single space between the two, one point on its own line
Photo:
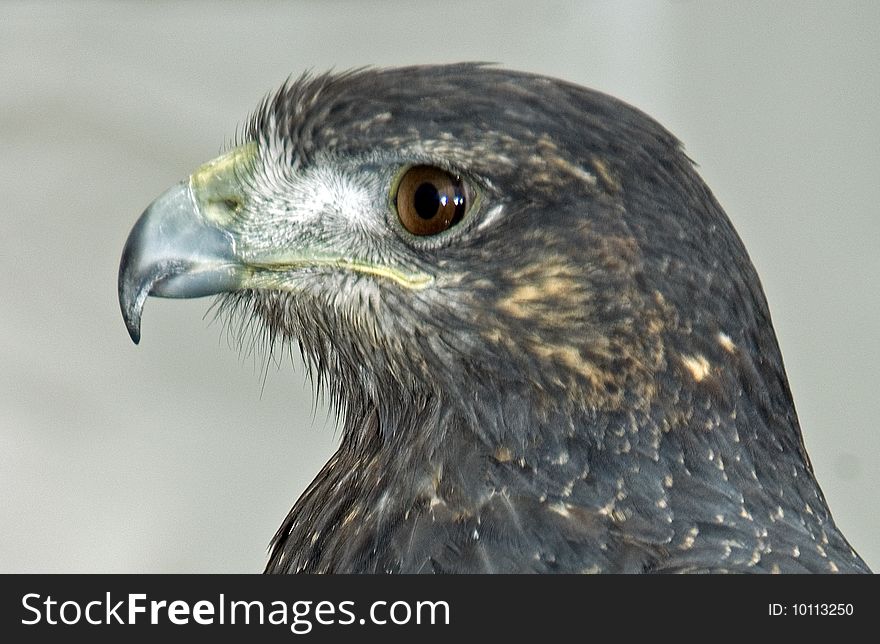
x=179 y=247
x=173 y=252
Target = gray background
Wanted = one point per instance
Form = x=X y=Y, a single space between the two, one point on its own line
x=174 y=456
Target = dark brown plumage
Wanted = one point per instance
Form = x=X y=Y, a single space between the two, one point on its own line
x=576 y=373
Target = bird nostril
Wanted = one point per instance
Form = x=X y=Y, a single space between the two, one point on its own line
x=220 y=209
x=232 y=204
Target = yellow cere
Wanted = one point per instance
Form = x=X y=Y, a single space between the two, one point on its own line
x=215 y=185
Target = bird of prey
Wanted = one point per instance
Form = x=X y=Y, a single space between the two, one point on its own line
x=546 y=343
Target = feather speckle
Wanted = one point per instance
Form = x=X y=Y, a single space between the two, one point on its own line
x=583 y=378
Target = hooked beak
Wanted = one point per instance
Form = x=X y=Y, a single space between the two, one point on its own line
x=180 y=247
x=185 y=245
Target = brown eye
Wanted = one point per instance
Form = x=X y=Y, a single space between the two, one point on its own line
x=430 y=200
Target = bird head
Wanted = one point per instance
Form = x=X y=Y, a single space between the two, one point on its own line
x=452 y=232
x=463 y=250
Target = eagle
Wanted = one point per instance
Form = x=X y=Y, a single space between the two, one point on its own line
x=545 y=342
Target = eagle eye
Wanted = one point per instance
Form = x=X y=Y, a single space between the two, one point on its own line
x=430 y=200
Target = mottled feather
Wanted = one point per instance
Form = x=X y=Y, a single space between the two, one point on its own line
x=591 y=383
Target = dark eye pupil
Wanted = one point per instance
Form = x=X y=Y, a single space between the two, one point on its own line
x=426 y=200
